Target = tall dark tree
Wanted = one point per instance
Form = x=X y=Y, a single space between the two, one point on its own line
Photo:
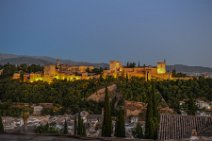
x=65 y=128
x=191 y=106
x=120 y=124
x=128 y=64
x=139 y=64
x=75 y=125
x=133 y=64
x=107 y=120
x=80 y=127
x=138 y=131
x=156 y=114
x=113 y=105
x=149 y=116
x=8 y=70
x=23 y=67
x=152 y=115
x=34 y=68
x=1 y=126
x=174 y=72
x=83 y=130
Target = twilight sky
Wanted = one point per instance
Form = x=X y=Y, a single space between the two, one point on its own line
x=97 y=31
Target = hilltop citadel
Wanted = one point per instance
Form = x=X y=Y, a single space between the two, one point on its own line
x=116 y=69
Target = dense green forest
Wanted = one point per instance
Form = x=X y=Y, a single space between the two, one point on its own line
x=172 y=92
x=71 y=96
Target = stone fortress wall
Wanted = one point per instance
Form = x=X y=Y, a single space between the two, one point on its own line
x=116 y=69
x=148 y=72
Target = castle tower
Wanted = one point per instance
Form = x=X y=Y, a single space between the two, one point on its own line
x=49 y=70
x=161 y=67
x=115 y=66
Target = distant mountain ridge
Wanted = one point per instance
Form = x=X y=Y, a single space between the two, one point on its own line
x=41 y=60
x=44 y=60
x=189 y=69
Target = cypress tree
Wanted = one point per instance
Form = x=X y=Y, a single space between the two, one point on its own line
x=107 y=121
x=65 y=128
x=79 y=125
x=127 y=64
x=149 y=115
x=120 y=124
x=81 y=131
x=156 y=114
x=139 y=64
x=152 y=115
x=75 y=125
x=138 y=131
x=1 y=126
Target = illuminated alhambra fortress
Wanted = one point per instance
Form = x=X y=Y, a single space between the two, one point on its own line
x=116 y=69
x=63 y=72
x=147 y=72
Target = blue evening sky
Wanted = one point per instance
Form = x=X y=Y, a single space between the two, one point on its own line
x=100 y=30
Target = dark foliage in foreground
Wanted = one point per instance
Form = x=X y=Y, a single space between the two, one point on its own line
x=71 y=95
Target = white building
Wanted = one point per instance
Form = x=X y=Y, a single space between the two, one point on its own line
x=203 y=105
x=37 y=110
